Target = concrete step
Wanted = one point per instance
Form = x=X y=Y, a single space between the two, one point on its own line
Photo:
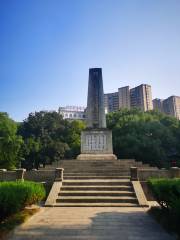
x=125 y=163
x=102 y=173
x=97 y=182
x=95 y=161
x=97 y=188
x=98 y=172
x=62 y=204
x=93 y=177
x=84 y=169
x=103 y=164
x=95 y=199
x=93 y=183
x=97 y=193
x=99 y=163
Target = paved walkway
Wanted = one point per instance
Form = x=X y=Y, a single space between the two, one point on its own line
x=96 y=223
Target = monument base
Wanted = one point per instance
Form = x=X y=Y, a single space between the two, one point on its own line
x=96 y=157
x=96 y=144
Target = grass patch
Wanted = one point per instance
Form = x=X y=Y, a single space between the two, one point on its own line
x=16 y=219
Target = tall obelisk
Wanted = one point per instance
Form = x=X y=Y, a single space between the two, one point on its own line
x=96 y=140
x=95 y=104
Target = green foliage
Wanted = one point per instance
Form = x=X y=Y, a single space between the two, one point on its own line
x=14 y=196
x=48 y=138
x=150 y=137
x=167 y=194
x=72 y=137
x=10 y=143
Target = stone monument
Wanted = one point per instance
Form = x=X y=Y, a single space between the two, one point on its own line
x=96 y=140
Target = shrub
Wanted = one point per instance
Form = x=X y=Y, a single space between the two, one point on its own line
x=166 y=192
x=14 y=196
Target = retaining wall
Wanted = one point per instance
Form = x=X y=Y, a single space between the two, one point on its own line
x=37 y=176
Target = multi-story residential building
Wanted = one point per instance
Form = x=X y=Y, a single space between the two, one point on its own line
x=141 y=97
x=111 y=102
x=72 y=112
x=171 y=106
x=124 y=97
x=158 y=104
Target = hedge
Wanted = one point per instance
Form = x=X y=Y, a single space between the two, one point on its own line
x=14 y=196
x=166 y=192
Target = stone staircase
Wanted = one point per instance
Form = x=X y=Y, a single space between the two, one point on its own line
x=97 y=183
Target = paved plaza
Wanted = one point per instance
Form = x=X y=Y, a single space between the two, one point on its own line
x=98 y=223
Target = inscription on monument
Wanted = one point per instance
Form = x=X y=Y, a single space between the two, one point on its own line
x=95 y=142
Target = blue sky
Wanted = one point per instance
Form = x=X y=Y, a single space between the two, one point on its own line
x=47 y=47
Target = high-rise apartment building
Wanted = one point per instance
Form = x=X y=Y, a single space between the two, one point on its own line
x=171 y=106
x=111 y=102
x=141 y=97
x=158 y=104
x=124 y=97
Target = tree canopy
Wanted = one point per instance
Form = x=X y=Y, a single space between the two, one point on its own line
x=150 y=137
x=45 y=137
x=10 y=142
x=48 y=138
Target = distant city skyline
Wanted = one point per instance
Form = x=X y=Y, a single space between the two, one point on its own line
x=127 y=98
x=47 y=47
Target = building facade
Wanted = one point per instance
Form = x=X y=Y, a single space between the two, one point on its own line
x=124 y=97
x=72 y=112
x=171 y=106
x=158 y=104
x=111 y=102
x=141 y=97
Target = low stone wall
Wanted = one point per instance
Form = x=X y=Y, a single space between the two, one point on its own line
x=47 y=176
x=50 y=175
x=40 y=175
x=147 y=191
x=34 y=175
x=145 y=174
x=8 y=175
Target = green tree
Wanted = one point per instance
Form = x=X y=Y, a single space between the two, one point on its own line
x=73 y=137
x=30 y=152
x=48 y=138
x=10 y=143
x=150 y=137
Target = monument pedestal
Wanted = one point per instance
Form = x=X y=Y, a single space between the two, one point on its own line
x=96 y=144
